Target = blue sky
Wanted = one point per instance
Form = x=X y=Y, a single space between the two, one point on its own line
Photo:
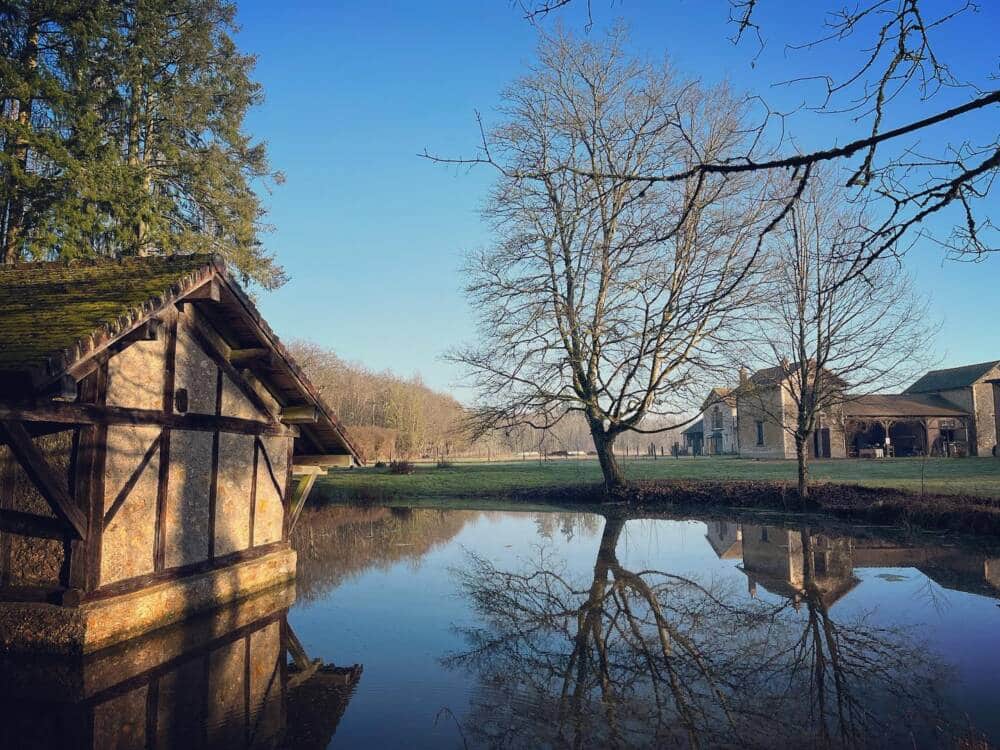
x=372 y=236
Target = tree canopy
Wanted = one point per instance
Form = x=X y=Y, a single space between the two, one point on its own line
x=122 y=133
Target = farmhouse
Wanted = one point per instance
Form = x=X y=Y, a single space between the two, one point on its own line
x=945 y=412
x=157 y=443
x=766 y=414
x=718 y=416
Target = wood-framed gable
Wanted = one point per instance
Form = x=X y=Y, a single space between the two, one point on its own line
x=252 y=368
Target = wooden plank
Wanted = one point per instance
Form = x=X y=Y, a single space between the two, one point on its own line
x=218 y=351
x=133 y=479
x=301 y=471
x=286 y=497
x=170 y=362
x=174 y=574
x=260 y=356
x=253 y=488
x=270 y=469
x=43 y=475
x=88 y=485
x=162 y=488
x=326 y=460
x=207 y=292
x=63 y=413
x=299 y=414
x=28 y=524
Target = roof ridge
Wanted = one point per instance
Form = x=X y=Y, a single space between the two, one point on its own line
x=965 y=367
x=21 y=265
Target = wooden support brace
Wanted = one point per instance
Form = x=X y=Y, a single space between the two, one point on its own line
x=207 y=292
x=325 y=460
x=43 y=475
x=302 y=489
x=259 y=356
x=299 y=414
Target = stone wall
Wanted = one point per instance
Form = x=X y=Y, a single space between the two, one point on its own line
x=763 y=406
x=135 y=376
x=128 y=542
x=985 y=416
x=24 y=560
x=136 y=380
x=728 y=431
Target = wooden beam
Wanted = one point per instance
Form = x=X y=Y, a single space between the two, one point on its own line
x=133 y=479
x=325 y=460
x=303 y=471
x=259 y=356
x=63 y=413
x=28 y=524
x=299 y=414
x=219 y=351
x=302 y=488
x=42 y=475
x=207 y=292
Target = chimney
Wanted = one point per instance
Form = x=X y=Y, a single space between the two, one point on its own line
x=744 y=376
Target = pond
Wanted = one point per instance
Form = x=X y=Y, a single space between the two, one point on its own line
x=427 y=627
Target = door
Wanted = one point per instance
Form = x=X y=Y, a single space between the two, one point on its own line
x=821 y=443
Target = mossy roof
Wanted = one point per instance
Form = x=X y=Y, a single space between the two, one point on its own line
x=51 y=312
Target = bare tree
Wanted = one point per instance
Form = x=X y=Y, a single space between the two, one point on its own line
x=603 y=295
x=821 y=329
x=650 y=658
x=897 y=71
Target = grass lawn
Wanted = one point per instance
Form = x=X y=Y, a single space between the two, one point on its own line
x=967 y=476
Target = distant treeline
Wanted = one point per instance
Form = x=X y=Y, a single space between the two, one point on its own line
x=394 y=417
x=388 y=416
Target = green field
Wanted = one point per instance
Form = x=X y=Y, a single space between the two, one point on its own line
x=972 y=476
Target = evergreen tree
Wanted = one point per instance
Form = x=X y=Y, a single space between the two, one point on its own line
x=134 y=141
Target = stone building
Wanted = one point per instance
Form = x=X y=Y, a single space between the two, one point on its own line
x=944 y=413
x=157 y=442
x=766 y=414
x=719 y=424
x=975 y=389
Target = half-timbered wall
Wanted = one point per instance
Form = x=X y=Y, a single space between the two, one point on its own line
x=28 y=560
x=175 y=497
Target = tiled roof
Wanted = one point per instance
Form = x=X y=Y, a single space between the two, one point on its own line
x=50 y=312
x=952 y=378
x=901 y=406
x=770 y=376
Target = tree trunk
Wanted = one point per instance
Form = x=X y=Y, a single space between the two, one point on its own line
x=802 y=456
x=604 y=445
x=10 y=251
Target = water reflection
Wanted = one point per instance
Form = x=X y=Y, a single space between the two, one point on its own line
x=635 y=658
x=561 y=629
x=238 y=678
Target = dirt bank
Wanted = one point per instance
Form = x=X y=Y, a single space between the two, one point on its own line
x=876 y=505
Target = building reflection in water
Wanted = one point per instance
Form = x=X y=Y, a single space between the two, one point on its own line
x=780 y=559
x=238 y=678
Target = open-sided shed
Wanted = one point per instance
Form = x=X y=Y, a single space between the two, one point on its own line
x=157 y=442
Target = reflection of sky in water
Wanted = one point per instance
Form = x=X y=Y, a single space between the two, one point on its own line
x=398 y=620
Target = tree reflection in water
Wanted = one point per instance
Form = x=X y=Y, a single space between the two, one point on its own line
x=648 y=657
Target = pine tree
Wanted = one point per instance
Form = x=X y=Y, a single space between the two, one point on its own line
x=141 y=149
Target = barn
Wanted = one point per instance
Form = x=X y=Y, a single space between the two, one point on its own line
x=157 y=442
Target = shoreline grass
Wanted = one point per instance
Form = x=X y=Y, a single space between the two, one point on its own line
x=941 y=476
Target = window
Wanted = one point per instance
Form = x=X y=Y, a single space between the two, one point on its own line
x=717 y=419
x=760 y=432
